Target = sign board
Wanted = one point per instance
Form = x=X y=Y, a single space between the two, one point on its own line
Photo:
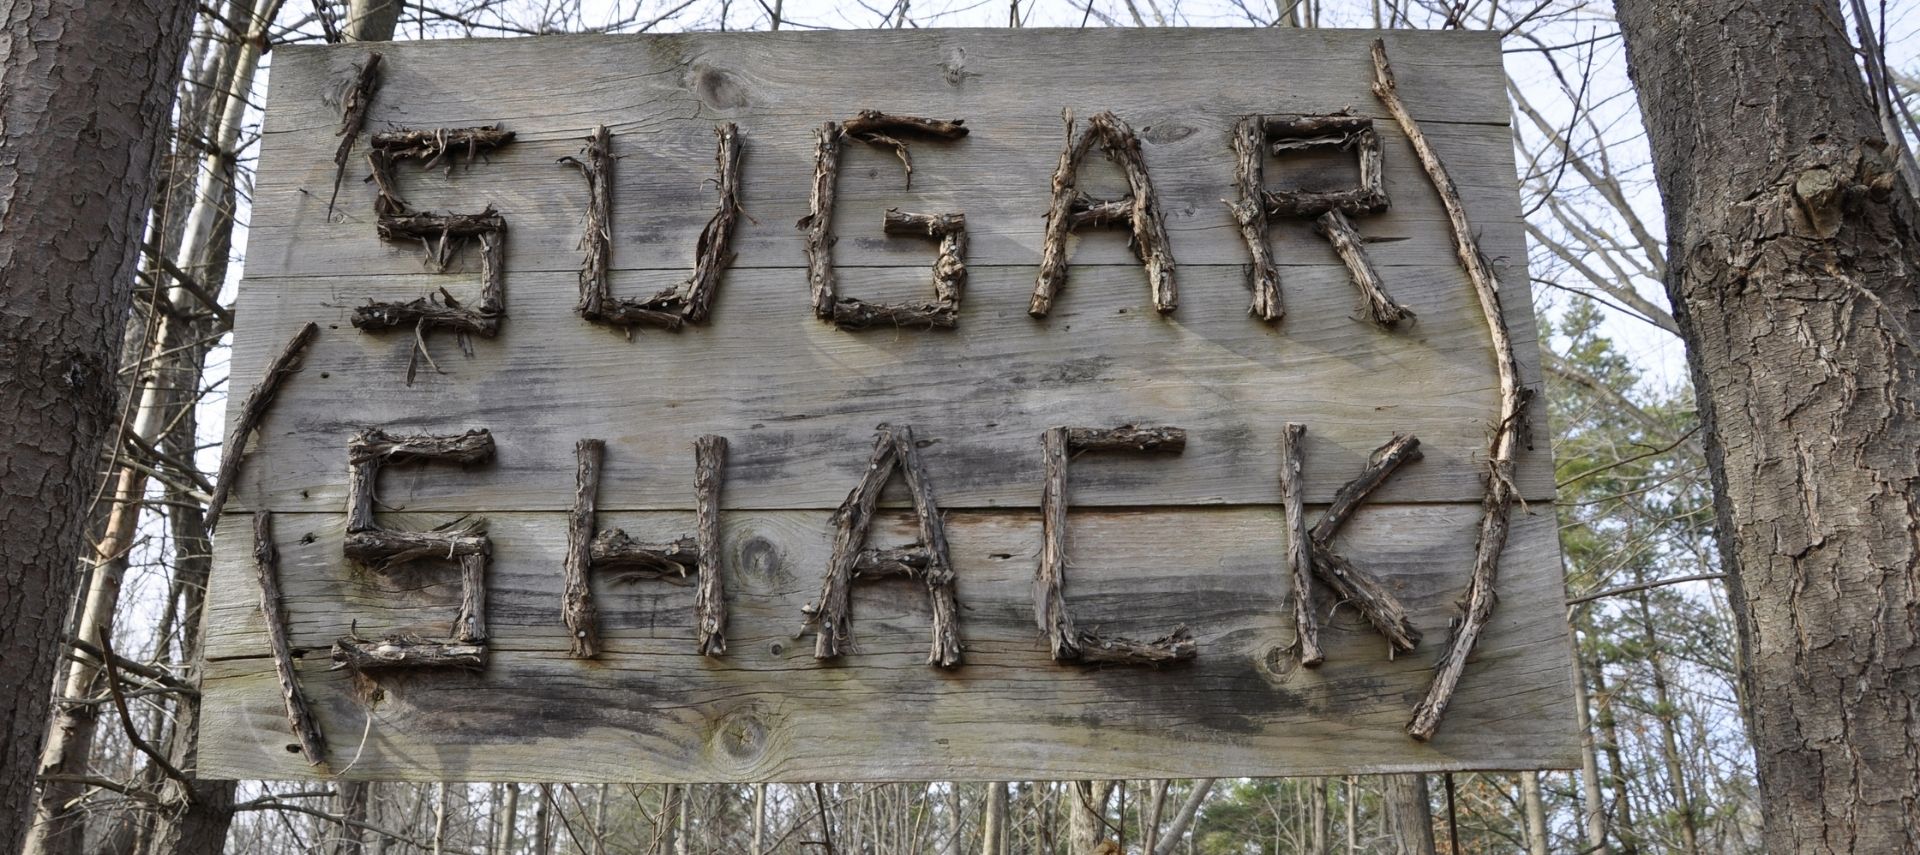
x=1109 y=602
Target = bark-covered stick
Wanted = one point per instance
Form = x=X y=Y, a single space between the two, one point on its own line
x=1299 y=545
x=1347 y=243
x=876 y=122
x=459 y=449
x=1284 y=127
x=949 y=267
x=1168 y=440
x=353 y=116
x=470 y=625
x=577 y=609
x=1049 y=599
x=1250 y=212
x=949 y=270
x=493 y=274
x=382 y=549
x=596 y=237
x=938 y=572
x=710 y=599
x=1308 y=204
x=266 y=566
x=441 y=234
x=819 y=219
x=1402 y=449
x=1365 y=592
x=831 y=613
x=387 y=201
x=361 y=654
x=1497 y=508
x=363 y=479
x=885 y=129
x=1176 y=646
x=1059 y=222
x=855 y=314
x=616 y=552
x=370 y=450
x=714 y=251
x=1373 y=172
x=431 y=145
x=910 y=561
x=433 y=312
x=1149 y=223
x=251 y=412
x=1100 y=213
x=949 y=278
x=690 y=301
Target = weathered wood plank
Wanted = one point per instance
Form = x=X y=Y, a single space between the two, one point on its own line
x=998 y=175
x=651 y=708
x=1448 y=77
x=799 y=399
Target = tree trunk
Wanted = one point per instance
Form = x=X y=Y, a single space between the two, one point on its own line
x=1352 y=791
x=993 y=831
x=667 y=828
x=1793 y=280
x=170 y=363
x=1663 y=713
x=1319 y=840
x=1624 y=828
x=542 y=822
x=1536 y=813
x=1086 y=815
x=440 y=818
x=372 y=20
x=85 y=92
x=1409 y=813
x=598 y=845
x=954 y=846
x=509 y=821
x=1592 y=803
x=1150 y=819
x=1177 y=829
x=351 y=800
x=759 y=819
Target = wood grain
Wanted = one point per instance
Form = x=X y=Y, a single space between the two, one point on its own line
x=651 y=708
x=799 y=399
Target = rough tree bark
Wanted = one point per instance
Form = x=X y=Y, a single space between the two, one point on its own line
x=1086 y=815
x=1793 y=281
x=372 y=20
x=1409 y=814
x=169 y=369
x=85 y=89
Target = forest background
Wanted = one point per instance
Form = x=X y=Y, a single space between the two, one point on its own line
x=1667 y=765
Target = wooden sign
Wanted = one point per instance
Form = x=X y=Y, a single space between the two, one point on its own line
x=949 y=404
